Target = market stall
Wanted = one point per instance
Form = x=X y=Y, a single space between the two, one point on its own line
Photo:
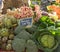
x=31 y=28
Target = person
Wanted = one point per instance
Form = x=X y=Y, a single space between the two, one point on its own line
x=1 y=5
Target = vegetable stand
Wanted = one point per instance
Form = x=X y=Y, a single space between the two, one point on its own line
x=31 y=28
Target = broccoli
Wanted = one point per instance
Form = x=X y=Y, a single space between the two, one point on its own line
x=32 y=29
x=18 y=30
x=31 y=46
x=19 y=45
x=24 y=35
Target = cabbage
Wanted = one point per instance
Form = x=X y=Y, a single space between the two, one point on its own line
x=47 y=41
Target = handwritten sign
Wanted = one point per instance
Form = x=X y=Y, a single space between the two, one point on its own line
x=26 y=22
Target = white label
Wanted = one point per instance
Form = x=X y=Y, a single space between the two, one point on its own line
x=26 y=22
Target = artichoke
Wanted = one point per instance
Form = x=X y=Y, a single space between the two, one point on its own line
x=9 y=47
x=13 y=19
x=7 y=22
x=4 y=39
x=4 y=32
x=11 y=36
x=47 y=41
x=9 y=41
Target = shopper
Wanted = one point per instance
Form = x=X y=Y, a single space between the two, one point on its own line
x=1 y=5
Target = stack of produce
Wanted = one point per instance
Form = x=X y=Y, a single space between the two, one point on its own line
x=45 y=40
x=22 y=12
x=12 y=40
x=7 y=25
x=46 y=33
x=55 y=8
x=23 y=42
x=42 y=34
x=26 y=12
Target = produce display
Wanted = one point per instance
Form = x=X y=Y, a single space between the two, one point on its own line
x=21 y=12
x=42 y=36
x=7 y=24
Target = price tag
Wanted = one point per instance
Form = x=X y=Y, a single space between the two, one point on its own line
x=26 y=22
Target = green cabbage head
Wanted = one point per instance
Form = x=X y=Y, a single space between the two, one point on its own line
x=47 y=41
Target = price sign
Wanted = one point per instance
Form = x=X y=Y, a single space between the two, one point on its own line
x=26 y=22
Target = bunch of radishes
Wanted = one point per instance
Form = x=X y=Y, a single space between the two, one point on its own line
x=25 y=12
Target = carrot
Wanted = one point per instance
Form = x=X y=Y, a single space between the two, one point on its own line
x=55 y=9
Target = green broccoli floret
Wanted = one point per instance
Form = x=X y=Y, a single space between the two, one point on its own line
x=18 y=29
x=32 y=29
x=24 y=35
x=31 y=46
x=19 y=45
